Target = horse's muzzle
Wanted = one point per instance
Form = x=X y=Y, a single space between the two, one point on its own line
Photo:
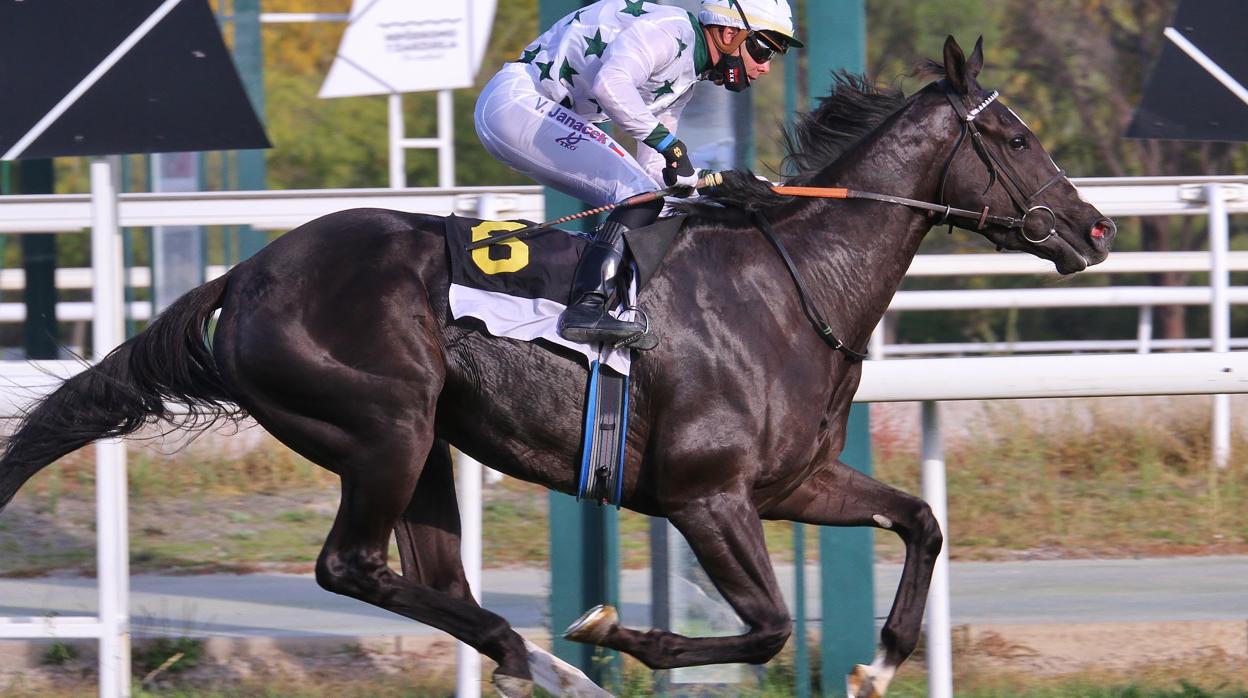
x=1101 y=236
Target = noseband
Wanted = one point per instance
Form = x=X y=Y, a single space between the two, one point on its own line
x=1009 y=181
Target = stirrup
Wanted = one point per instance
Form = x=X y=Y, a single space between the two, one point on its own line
x=645 y=340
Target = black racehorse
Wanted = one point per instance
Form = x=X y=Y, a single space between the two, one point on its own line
x=337 y=339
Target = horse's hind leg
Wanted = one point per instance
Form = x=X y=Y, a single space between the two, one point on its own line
x=726 y=535
x=841 y=496
x=378 y=443
x=428 y=534
x=353 y=563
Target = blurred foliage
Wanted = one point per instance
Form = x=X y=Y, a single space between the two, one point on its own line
x=1074 y=69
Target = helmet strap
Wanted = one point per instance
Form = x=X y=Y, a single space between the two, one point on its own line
x=731 y=47
x=729 y=70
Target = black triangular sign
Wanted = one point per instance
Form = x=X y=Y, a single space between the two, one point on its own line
x=1183 y=101
x=174 y=89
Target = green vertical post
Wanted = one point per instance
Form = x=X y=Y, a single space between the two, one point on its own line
x=584 y=539
x=801 y=653
x=39 y=261
x=836 y=34
x=846 y=561
x=249 y=59
x=836 y=37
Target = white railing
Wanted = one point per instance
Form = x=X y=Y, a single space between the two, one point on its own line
x=266 y=210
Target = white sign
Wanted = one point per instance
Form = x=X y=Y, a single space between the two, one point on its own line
x=482 y=22
x=394 y=46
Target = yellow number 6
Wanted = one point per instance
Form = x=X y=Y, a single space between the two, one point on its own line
x=519 y=251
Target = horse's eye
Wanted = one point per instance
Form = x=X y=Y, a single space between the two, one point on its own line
x=1019 y=143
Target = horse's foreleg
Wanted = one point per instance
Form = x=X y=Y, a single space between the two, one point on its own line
x=841 y=496
x=726 y=535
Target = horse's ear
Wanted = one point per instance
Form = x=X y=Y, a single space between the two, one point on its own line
x=975 y=63
x=955 y=66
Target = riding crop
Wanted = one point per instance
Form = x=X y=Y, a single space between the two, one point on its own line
x=710 y=180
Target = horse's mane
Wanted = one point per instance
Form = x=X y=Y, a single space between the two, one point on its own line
x=855 y=108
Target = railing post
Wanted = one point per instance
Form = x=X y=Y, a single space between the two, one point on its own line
x=1219 y=313
x=1144 y=330
x=398 y=160
x=801 y=653
x=112 y=545
x=939 y=639
x=446 y=139
x=468 y=484
x=875 y=345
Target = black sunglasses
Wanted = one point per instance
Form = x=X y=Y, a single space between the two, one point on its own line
x=761 y=46
x=759 y=49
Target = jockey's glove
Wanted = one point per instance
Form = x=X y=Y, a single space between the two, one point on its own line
x=678 y=169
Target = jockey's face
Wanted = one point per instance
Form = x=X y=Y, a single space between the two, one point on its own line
x=753 y=69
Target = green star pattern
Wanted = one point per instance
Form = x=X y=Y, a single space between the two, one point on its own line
x=683 y=46
x=545 y=68
x=530 y=55
x=566 y=71
x=576 y=17
x=596 y=104
x=634 y=8
x=666 y=89
x=594 y=45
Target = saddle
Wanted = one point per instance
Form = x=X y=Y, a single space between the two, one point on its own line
x=518 y=289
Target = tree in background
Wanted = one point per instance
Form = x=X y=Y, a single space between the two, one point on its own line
x=1076 y=69
x=1086 y=66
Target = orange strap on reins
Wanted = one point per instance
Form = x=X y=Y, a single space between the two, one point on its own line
x=817 y=192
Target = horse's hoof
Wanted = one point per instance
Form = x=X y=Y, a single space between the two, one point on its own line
x=593 y=627
x=513 y=687
x=861 y=684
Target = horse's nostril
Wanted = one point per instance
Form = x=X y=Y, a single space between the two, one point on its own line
x=1104 y=230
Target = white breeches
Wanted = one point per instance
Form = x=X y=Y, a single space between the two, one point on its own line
x=538 y=137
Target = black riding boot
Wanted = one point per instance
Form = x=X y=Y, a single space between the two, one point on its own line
x=586 y=319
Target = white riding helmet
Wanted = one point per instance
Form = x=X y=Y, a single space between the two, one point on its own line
x=763 y=15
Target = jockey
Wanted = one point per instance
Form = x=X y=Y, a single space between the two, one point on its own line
x=634 y=63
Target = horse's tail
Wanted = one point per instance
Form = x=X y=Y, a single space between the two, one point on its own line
x=168 y=363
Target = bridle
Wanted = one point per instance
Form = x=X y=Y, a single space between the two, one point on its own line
x=1023 y=202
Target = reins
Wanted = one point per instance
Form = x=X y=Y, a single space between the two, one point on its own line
x=981 y=218
x=808 y=305
x=1008 y=181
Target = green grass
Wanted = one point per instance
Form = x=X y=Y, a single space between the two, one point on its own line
x=1102 y=477
x=1087 y=481
x=352 y=674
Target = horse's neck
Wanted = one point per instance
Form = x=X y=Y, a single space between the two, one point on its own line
x=858 y=251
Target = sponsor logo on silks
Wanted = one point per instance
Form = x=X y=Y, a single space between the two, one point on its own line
x=569 y=119
x=571 y=140
x=616 y=149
